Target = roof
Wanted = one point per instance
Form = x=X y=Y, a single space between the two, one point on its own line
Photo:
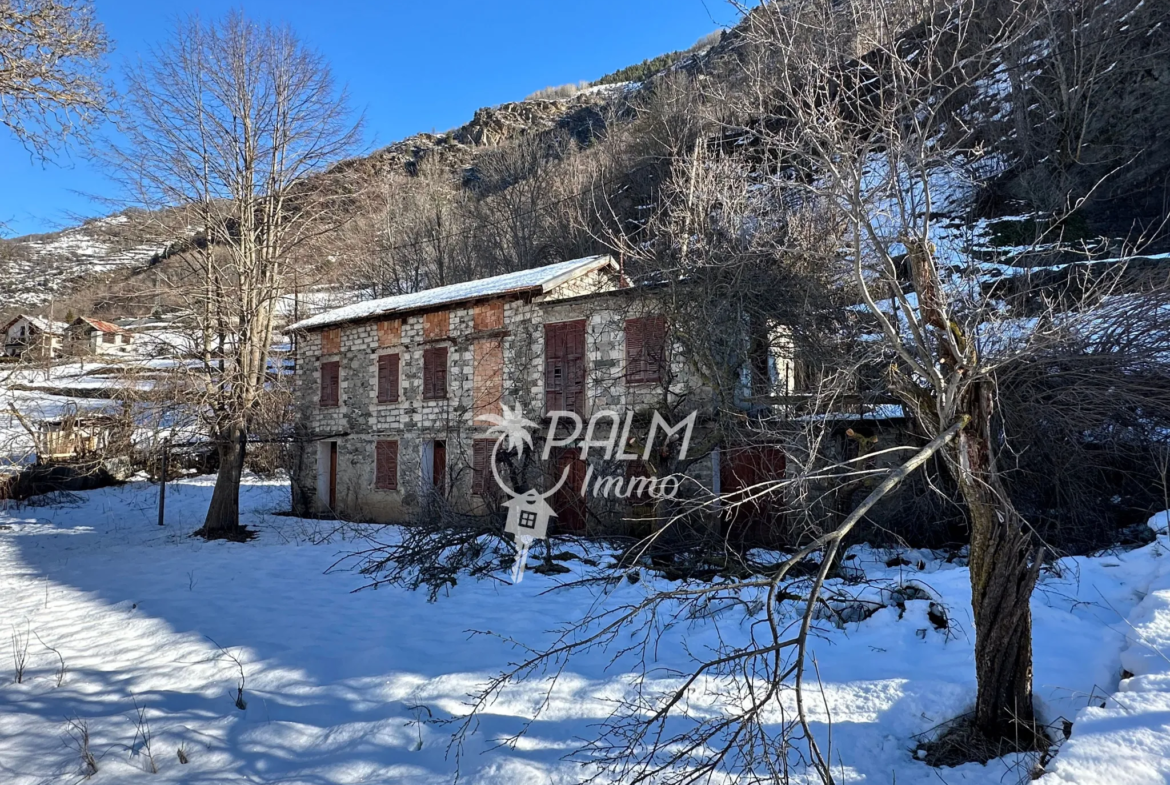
x=99 y=325
x=540 y=280
x=39 y=322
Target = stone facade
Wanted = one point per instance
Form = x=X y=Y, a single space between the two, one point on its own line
x=495 y=354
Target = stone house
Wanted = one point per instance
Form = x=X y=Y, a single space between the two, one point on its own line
x=85 y=336
x=33 y=337
x=388 y=392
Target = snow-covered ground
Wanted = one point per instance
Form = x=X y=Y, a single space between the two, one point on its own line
x=340 y=687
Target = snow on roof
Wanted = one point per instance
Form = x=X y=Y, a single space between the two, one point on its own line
x=39 y=322
x=541 y=278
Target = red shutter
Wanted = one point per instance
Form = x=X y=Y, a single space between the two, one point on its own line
x=635 y=346
x=554 y=368
x=395 y=374
x=330 y=383
x=645 y=349
x=386 y=466
x=481 y=452
x=428 y=375
x=654 y=335
x=440 y=371
x=388 y=378
x=564 y=366
x=435 y=372
x=575 y=366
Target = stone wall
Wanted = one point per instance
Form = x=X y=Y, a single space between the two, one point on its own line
x=359 y=421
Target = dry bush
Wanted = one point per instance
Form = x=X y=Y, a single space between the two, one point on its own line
x=558 y=93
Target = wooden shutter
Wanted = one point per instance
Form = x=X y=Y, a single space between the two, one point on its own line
x=330 y=383
x=481 y=455
x=388 y=378
x=440 y=371
x=428 y=376
x=386 y=466
x=645 y=349
x=635 y=349
x=435 y=373
x=554 y=368
x=564 y=366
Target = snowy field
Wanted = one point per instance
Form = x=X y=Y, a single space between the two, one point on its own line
x=341 y=687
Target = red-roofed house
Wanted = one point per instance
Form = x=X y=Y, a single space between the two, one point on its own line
x=92 y=336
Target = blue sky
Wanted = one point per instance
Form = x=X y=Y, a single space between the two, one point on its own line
x=410 y=66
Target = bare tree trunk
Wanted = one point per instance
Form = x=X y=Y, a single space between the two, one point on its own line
x=223 y=514
x=1003 y=574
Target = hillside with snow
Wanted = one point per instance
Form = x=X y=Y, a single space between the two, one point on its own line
x=36 y=269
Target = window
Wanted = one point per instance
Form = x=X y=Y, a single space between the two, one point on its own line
x=386 y=465
x=435 y=373
x=108 y=337
x=388 y=378
x=760 y=362
x=389 y=333
x=564 y=366
x=331 y=383
x=645 y=349
x=436 y=325
x=482 y=482
x=489 y=315
x=331 y=341
x=527 y=519
x=487 y=377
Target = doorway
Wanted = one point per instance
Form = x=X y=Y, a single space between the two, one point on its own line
x=568 y=501
x=433 y=463
x=327 y=475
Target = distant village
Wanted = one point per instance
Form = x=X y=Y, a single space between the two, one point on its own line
x=38 y=338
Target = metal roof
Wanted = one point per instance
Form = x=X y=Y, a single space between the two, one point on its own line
x=540 y=279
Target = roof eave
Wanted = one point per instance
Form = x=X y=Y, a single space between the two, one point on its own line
x=598 y=263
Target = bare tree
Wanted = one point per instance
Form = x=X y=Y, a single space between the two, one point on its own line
x=51 y=71
x=859 y=141
x=894 y=143
x=228 y=129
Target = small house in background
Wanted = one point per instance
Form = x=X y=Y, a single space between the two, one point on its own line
x=92 y=336
x=33 y=337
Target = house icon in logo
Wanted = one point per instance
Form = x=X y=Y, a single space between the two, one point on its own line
x=528 y=515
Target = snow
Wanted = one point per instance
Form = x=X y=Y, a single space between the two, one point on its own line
x=539 y=278
x=1124 y=739
x=39 y=267
x=343 y=687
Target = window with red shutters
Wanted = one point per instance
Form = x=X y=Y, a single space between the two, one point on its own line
x=388 y=378
x=386 y=466
x=482 y=482
x=564 y=366
x=645 y=349
x=331 y=383
x=435 y=373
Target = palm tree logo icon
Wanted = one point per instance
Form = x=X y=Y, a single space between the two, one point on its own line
x=528 y=512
